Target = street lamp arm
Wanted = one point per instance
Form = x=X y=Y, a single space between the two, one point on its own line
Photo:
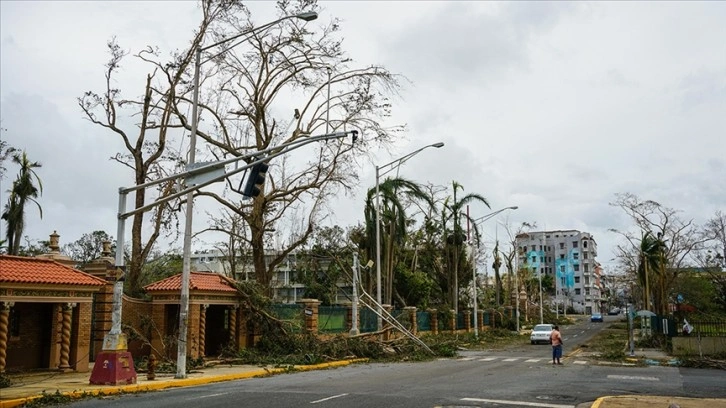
x=279 y=150
x=489 y=216
x=403 y=159
x=307 y=16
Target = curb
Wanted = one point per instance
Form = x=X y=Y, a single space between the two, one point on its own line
x=185 y=382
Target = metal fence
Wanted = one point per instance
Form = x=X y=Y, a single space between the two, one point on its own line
x=291 y=313
x=331 y=319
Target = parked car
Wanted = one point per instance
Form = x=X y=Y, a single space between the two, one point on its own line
x=614 y=312
x=541 y=333
x=597 y=317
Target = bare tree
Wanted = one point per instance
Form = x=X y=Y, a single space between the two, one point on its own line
x=146 y=142
x=287 y=61
x=679 y=238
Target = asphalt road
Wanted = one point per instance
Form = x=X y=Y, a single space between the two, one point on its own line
x=519 y=377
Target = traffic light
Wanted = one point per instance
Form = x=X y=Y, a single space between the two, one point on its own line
x=256 y=178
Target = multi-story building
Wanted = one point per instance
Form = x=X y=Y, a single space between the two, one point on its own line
x=569 y=256
x=285 y=287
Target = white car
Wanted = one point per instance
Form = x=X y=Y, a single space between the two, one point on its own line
x=541 y=333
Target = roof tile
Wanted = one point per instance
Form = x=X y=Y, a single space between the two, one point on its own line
x=197 y=281
x=21 y=269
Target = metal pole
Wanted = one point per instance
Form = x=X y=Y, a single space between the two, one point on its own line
x=354 y=314
x=181 y=356
x=516 y=289
x=541 y=305
x=118 y=286
x=629 y=311
x=378 y=252
x=476 y=315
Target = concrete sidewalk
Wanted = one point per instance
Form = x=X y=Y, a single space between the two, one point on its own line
x=27 y=387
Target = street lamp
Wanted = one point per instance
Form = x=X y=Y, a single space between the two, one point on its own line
x=393 y=165
x=186 y=251
x=473 y=264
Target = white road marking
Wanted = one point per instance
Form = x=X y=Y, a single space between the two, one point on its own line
x=520 y=403
x=210 y=395
x=633 y=377
x=466 y=358
x=329 y=398
x=532 y=360
x=510 y=359
x=488 y=359
x=580 y=362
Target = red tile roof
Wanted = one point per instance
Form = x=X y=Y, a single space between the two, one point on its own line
x=197 y=281
x=21 y=269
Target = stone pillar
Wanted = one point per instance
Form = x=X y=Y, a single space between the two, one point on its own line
x=310 y=314
x=233 y=325
x=480 y=319
x=411 y=311
x=467 y=320
x=452 y=321
x=81 y=337
x=158 y=331
x=203 y=330
x=434 y=319
x=65 y=340
x=4 y=330
x=55 y=336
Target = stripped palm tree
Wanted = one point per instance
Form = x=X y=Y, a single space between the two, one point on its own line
x=452 y=212
x=394 y=194
x=24 y=190
x=652 y=265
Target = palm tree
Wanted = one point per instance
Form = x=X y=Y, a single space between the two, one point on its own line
x=652 y=265
x=24 y=190
x=393 y=195
x=452 y=212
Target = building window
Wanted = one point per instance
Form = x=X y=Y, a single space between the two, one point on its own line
x=584 y=255
x=576 y=267
x=562 y=256
x=14 y=329
x=575 y=256
x=586 y=268
x=577 y=279
x=574 y=244
x=562 y=268
x=534 y=259
x=577 y=291
x=587 y=291
x=584 y=244
x=562 y=245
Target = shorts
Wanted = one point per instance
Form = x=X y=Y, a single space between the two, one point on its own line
x=557 y=351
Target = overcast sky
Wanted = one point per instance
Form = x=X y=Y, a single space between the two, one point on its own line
x=553 y=107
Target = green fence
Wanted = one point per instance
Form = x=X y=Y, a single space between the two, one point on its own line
x=290 y=313
x=331 y=319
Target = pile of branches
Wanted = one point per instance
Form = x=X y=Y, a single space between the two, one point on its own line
x=705 y=362
x=282 y=342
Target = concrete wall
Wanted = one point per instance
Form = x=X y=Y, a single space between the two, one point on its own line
x=693 y=346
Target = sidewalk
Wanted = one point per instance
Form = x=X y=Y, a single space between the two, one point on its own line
x=27 y=387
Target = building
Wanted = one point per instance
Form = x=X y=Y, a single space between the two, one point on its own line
x=569 y=256
x=285 y=287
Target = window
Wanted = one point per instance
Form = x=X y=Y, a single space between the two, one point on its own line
x=562 y=256
x=541 y=259
x=577 y=291
x=584 y=244
x=574 y=244
x=587 y=291
x=575 y=256
x=584 y=255
x=562 y=245
x=576 y=267
x=577 y=279
x=534 y=259
x=562 y=268
x=586 y=268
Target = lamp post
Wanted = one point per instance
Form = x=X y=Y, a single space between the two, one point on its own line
x=477 y=221
x=544 y=257
x=394 y=164
x=186 y=251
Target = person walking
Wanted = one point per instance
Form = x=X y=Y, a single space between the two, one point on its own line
x=556 y=340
